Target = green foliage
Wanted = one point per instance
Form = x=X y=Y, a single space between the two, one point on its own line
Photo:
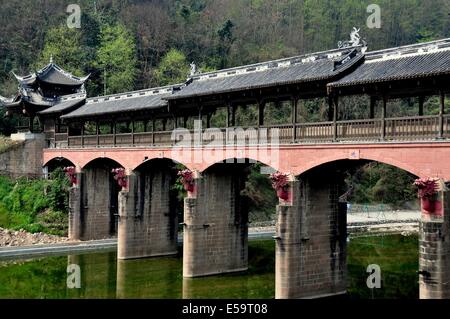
x=65 y=46
x=262 y=197
x=35 y=205
x=381 y=183
x=116 y=58
x=173 y=68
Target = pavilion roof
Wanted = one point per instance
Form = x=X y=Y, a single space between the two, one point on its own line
x=52 y=74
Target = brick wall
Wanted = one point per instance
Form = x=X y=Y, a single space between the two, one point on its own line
x=216 y=227
x=311 y=239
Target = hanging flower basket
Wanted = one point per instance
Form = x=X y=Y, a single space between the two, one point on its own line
x=187 y=179
x=120 y=177
x=428 y=192
x=280 y=182
x=71 y=174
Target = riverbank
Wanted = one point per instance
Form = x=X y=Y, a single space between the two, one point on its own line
x=23 y=244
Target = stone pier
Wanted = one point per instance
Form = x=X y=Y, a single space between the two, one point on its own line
x=434 y=254
x=147 y=215
x=216 y=224
x=310 y=260
x=93 y=205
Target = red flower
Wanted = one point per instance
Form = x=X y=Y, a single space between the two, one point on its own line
x=187 y=179
x=120 y=176
x=71 y=174
x=428 y=187
x=280 y=182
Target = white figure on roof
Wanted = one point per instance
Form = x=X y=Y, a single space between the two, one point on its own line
x=355 y=38
x=193 y=69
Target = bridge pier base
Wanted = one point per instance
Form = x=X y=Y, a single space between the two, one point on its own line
x=216 y=225
x=76 y=209
x=147 y=217
x=310 y=255
x=434 y=255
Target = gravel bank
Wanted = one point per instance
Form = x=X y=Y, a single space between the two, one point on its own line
x=10 y=238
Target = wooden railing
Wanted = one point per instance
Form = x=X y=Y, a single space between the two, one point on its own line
x=417 y=128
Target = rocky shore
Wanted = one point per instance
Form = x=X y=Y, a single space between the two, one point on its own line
x=9 y=238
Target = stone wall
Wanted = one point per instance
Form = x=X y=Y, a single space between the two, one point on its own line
x=148 y=222
x=24 y=158
x=311 y=239
x=216 y=226
x=99 y=203
x=434 y=255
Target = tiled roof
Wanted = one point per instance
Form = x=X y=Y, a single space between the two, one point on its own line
x=126 y=102
x=65 y=104
x=413 y=61
x=306 y=68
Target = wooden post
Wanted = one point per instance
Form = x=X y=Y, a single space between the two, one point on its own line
x=233 y=115
x=373 y=101
x=153 y=130
x=330 y=108
x=260 y=106
x=208 y=120
x=421 y=101
x=383 y=118
x=294 y=118
x=441 y=114
x=228 y=114
x=132 y=132
x=114 y=131
x=82 y=134
x=97 y=131
x=335 y=117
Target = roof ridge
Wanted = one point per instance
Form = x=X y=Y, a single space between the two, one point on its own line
x=306 y=57
x=59 y=69
x=415 y=46
x=130 y=94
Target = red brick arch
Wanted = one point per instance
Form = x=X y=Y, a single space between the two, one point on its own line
x=420 y=159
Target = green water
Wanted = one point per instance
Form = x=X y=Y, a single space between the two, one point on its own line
x=102 y=276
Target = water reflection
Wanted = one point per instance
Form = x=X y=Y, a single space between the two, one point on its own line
x=149 y=278
x=98 y=276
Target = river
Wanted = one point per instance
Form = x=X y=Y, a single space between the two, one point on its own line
x=102 y=276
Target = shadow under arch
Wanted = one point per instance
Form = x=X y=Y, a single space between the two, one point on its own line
x=58 y=162
x=159 y=161
x=105 y=162
x=387 y=161
x=241 y=161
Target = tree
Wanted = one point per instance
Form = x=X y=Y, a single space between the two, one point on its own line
x=116 y=58
x=65 y=46
x=173 y=68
